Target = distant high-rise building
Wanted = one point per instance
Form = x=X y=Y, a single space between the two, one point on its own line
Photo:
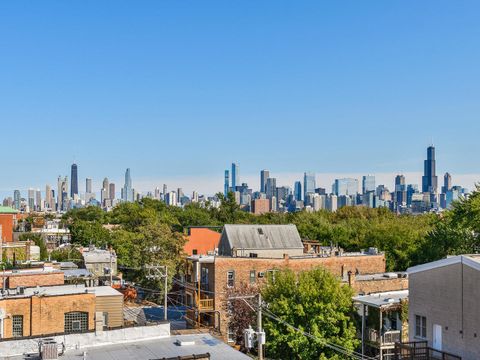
x=179 y=194
x=235 y=175
x=16 y=199
x=195 y=197
x=31 y=199
x=106 y=188
x=88 y=185
x=264 y=175
x=271 y=188
x=368 y=183
x=38 y=200
x=74 y=181
x=429 y=179
x=111 y=191
x=298 y=190
x=226 y=183
x=62 y=193
x=400 y=190
x=447 y=183
x=345 y=187
x=308 y=184
x=49 y=199
x=127 y=188
x=156 y=193
x=164 y=190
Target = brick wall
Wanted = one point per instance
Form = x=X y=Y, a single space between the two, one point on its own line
x=376 y=285
x=7 y=222
x=338 y=265
x=32 y=280
x=45 y=315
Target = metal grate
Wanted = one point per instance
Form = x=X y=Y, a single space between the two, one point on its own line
x=76 y=322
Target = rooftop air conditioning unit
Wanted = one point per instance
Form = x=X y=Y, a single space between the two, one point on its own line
x=48 y=350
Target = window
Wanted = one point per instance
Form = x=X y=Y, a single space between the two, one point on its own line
x=252 y=276
x=76 y=321
x=230 y=334
x=253 y=255
x=271 y=275
x=17 y=325
x=194 y=252
x=204 y=279
x=421 y=326
x=230 y=278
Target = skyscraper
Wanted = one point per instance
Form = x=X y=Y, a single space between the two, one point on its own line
x=400 y=190
x=38 y=200
x=308 y=184
x=106 y=188
x=271 y=188
x=429 y=179
x=264 y=175
x=111 y=191
x=127 y=194
x=74 y=181
x=88 y=185
x=235 y=176
x=62 y=193
x=298 y=190
x=49 y=200
x=226 y=183
x=345 y=186
x=16 y=199
x=31 y=199
x=447 y=183
x=368 y=183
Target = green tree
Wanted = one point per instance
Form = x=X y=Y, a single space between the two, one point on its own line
x=316 y=303
x=37 y=240
x=67 y=254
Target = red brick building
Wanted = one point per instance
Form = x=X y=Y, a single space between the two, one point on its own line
x=8 y=220
x=260 y=206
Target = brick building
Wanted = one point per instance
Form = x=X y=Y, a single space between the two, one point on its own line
x=215 y=275
x=31 y=278
x=8 y=220
x=260 y=206
x=49 y=310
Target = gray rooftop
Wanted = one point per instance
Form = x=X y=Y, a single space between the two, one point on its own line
x=262 y=237
x=383 y=299
x=160 y=348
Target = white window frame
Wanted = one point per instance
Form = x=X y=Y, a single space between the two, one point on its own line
x=421 y=328
x=233 y=278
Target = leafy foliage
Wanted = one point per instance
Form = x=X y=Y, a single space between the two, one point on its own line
x=315 y=302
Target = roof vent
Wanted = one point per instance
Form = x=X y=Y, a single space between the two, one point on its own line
x=179 y=342
x=389 y=300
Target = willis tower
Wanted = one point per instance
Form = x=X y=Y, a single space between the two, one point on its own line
x=429 y=178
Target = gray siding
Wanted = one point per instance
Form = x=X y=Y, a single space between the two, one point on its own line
x=448 y=296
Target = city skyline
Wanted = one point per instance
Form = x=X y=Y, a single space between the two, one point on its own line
x=209 y=186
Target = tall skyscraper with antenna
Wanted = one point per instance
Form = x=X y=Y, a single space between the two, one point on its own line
x=429 y=178
x=127 y=193
x=74 y=181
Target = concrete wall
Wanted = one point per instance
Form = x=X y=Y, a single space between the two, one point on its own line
x=448 y=296
x=80 y=341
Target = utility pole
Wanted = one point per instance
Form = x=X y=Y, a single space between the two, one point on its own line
x=111 y=272
x=159 y=272
x=259 y=328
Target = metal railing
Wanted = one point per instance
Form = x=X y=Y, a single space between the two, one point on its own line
x=419 y=350
x=388 y=337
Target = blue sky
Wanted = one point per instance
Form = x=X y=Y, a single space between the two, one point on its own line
x=177 y=90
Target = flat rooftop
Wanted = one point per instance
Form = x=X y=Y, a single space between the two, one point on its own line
x=159 y=349
x=63 y=290
x=382 y=299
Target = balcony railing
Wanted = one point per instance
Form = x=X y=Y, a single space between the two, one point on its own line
x=388 y=337
x=420 y=351
x=206 y=304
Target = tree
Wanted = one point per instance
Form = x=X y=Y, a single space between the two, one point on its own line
x=316 y=303
x=456 y=231
x=37 y=240
x=67 y=254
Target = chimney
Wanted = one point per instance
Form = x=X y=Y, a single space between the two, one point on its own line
x=351 y=279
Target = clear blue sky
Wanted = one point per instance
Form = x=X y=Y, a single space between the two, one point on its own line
x=182 y=88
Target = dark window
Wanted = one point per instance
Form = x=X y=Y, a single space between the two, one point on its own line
x=253 y=255
x=194 y=252
x=252 y=276
x=17 y=325
x=230 y=278
x=421 y=326
x=76 y=321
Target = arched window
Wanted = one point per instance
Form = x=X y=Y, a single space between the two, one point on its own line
x=76 y=321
